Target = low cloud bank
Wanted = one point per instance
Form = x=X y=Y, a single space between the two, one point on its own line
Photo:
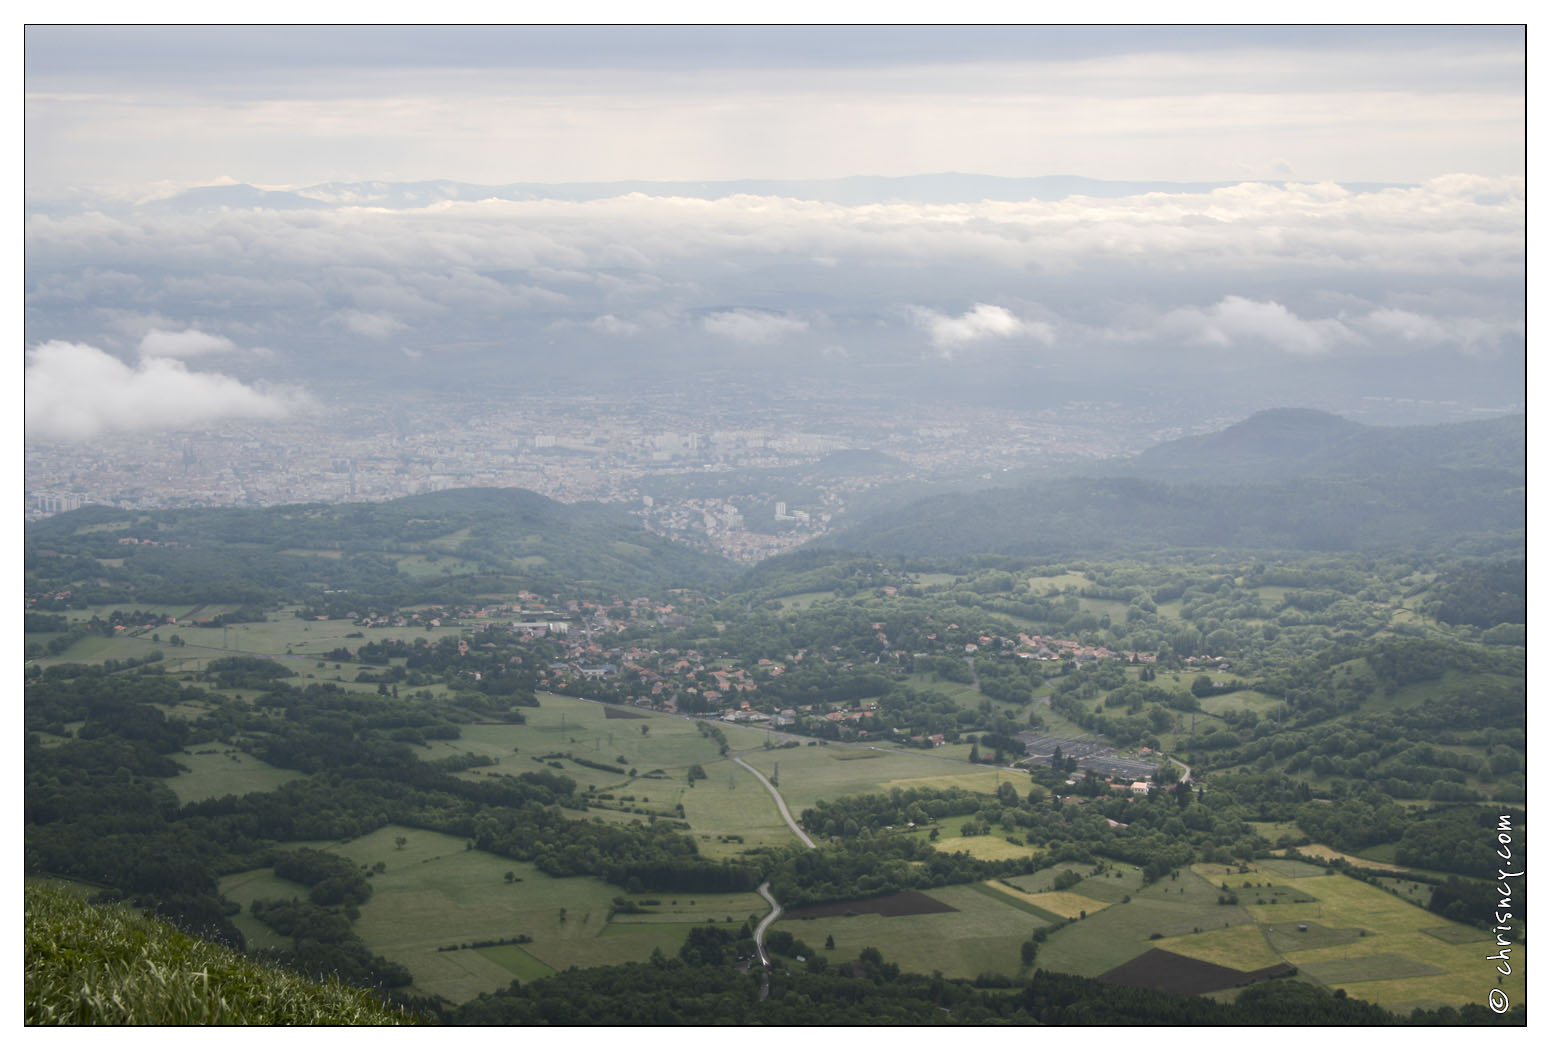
x=75 y=391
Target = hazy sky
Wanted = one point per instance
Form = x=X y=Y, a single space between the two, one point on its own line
x=144 y=312
x=132 y=107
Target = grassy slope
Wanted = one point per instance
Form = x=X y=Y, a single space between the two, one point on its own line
x=112 y=966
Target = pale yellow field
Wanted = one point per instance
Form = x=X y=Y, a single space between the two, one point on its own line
x=1319 y=850
x=985 y=848
x=1060 y=902
x=1242 y=947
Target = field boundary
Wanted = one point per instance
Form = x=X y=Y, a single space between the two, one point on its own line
x=1025 y=906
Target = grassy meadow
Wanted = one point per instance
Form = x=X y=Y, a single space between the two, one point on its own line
x=827 y=772
x=215 y=771
x=983 y=934
x=435 y=892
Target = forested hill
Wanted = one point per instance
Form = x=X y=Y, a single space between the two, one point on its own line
x=412 y=549
x=1280 y=444
x=1281 y=482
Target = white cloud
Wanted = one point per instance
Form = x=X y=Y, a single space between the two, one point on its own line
x=190 y=343
x=475 y=272
x=364 y=323
x=1406 y=326
x=610 y=325
x=76 y=391
x=984 y=321
x=1470 y=335
x=750 y=326
x=1238 y=322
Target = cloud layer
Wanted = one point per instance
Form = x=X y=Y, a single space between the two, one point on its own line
x=1303 y=272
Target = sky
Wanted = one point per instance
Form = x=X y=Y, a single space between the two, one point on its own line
x=129 y=108
x=1353 y=223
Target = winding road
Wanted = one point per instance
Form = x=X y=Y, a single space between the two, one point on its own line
x=764 y=888
x=780 y=804
x=764 y=924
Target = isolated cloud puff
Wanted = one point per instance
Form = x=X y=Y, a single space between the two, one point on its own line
x=752 y=326
x=76 y=391
x=190 y=343
x=610 y=325
x=1469 y=334
x=366 y=323
x=1235 y=321
x=983 y=321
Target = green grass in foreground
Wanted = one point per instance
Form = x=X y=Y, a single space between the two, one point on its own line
x=112 y=966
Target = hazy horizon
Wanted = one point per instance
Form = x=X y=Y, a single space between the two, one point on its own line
x=228 y=223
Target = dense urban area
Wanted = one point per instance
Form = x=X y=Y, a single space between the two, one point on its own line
x=703 y=469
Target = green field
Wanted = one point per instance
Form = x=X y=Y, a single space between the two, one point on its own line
x=1243 y=947
x=435 y=892
x=983 y=935
x=515 y=959
x=1416 y=693
x=216 y=771
x=1169 y=907
x=423 y=567
x=809 y=775
x=969 y=778
x=805 y=600
x=961 y=693
x=1369 y=966
x=1247 y=700
x=1345 y=934
x=729 y=802
x=1056 y=584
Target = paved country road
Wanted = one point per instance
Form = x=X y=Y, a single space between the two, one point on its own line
x=780 y=803
x=759 y=936
x=764 y=924
x=764 y=888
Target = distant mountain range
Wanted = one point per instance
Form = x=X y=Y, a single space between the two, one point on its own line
x=939 y=188
x=1283 y=480
x=1296 y=443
